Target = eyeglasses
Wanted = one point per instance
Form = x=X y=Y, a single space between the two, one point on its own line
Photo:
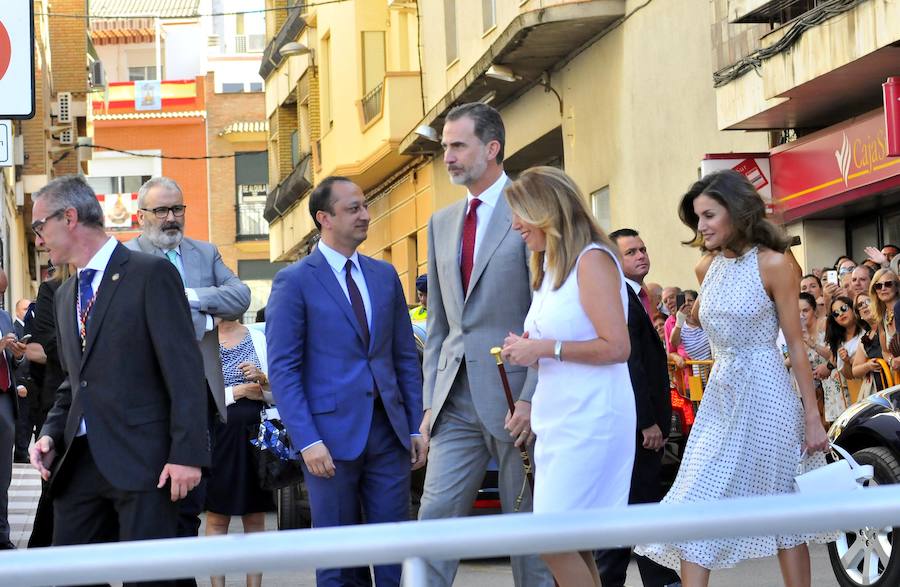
x=38 y=225
x=881 y=284
x=862 y=304
x=163 y=211
x=842 y=309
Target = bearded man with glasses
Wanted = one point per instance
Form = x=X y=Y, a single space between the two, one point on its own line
x=213 y=291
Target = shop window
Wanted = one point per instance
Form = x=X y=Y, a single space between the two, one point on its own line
x=863 y=233
x=232 y=88
x=147 y=72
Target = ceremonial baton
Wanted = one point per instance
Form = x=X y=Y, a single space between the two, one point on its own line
x=526 y=460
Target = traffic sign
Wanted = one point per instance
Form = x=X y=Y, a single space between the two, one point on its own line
x=17 y=59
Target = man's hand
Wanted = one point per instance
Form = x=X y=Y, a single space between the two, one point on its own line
x=21 y=391
x=318 y=460
x=418 y=451
x=653 y=438
x=7 y=341
x=183 y=478
x=41 y=455
x=34 y=352
x=425 y=425
x=519 y=424
x=17 y=349
x=877 y=256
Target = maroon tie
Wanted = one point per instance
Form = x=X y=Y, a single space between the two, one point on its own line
x=356 y=301
x=645 y=300
x=5 y=382
x=467 y=259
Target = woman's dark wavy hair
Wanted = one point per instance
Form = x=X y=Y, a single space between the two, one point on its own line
x=745 y=206
x=834 y=332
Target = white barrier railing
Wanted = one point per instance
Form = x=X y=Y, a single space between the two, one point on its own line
x=476 y=537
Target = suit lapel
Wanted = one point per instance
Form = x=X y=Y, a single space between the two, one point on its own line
x=325 y=274
x=112 y=277
x=190 y=258
x=455 y=226
x=497 y=227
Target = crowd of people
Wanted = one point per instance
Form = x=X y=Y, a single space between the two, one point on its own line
x=157 y=387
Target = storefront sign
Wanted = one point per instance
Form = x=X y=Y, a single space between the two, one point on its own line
x=892 y=115
x=754 y=166
x=16 y=59
x=833 y=166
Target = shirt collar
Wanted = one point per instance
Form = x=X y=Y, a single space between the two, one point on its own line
x=490 y=195
x=335 y=259
x=101 y=258
x=634 y=285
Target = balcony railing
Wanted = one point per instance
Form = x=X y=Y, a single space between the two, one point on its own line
x=371 y=103
x=250 y=222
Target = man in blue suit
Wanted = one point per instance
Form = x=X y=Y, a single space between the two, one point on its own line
x=346 y=378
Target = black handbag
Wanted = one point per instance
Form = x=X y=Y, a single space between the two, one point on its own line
x=277 y=465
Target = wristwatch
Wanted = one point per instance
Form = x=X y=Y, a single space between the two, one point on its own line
x=557 y=350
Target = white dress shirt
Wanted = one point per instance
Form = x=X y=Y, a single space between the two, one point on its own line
x=488 y=199
x=99 y=262
x=337 y=261
x=635 y=286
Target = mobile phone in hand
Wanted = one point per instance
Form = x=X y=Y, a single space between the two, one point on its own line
x=831 y=276
x=679 y=301
x=25 y=339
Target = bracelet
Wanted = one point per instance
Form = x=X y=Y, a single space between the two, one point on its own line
x=830 y=365
x=557 y=350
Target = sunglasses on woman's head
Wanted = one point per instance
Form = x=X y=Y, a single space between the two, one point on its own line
x=881 y=284
x=842 y=309
x=862 y=304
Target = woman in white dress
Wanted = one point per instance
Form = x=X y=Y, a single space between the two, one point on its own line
x=576 y=335
x=752 y=427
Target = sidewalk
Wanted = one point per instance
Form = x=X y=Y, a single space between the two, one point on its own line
x=24 y=492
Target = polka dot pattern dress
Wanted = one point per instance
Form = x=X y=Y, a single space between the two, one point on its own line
x=747 y=439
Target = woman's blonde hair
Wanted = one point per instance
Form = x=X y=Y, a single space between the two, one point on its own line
x=878 y=307
x=548 y=198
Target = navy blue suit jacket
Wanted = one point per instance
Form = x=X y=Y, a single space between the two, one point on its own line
x=323 y=377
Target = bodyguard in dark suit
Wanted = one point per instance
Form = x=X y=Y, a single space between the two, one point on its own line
x=213 y=291
x=649 y=372
x=127 y=434
x=11 y=353
x=345 y=375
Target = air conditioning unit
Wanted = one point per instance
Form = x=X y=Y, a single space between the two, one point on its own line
x=98 y=75
x=64 y=104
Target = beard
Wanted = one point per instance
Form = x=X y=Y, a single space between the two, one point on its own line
x=471 y=175
x=165 y=236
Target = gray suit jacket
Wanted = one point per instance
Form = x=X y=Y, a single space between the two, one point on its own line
x=221 y=294
x=464 y=328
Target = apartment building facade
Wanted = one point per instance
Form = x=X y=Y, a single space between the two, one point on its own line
x=812 y=76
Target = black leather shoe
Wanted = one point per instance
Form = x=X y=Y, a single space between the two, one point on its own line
x=7 y=545
x=21 y=459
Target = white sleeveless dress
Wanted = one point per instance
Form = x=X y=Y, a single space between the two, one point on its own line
x=747 y=439
x=583 y=415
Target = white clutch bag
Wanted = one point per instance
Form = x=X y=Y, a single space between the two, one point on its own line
x=843 y=475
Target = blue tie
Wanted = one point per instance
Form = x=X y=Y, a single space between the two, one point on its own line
x=172 y=256
x=85 y=289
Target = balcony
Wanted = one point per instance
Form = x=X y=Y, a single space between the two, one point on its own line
x=811 y=73
x=251 y=223
x=372 y=103
x=365 y=149
x=534 y=42
x=289 y=191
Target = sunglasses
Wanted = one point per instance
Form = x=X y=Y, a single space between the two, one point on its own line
x=862 y=304
x=842 y=309
x=881 y=284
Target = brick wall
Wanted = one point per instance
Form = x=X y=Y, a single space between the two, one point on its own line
x=68 y=48
x=223 y=110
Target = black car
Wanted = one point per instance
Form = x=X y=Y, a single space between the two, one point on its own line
x=870 y=431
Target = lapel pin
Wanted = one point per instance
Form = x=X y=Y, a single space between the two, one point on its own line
x=115 y=277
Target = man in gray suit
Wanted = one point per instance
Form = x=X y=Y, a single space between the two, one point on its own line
x=478 y=292
x=11 y=353
x=212 y=289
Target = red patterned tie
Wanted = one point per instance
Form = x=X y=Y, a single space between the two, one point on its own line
x=467 y=259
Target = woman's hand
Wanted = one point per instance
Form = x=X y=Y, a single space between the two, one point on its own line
x=895 y=363
x=877 y=256
x=872 y=365
x=822 y=372
x=247 y=390
x=815 y=439
x=525 y=352
x=678 y=360
x=252 y=373
x=843 y=354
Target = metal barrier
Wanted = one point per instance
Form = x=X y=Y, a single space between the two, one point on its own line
x=477 y=537
x=691 y=379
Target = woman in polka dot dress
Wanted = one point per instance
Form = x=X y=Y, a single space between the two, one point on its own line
x=752 y=428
